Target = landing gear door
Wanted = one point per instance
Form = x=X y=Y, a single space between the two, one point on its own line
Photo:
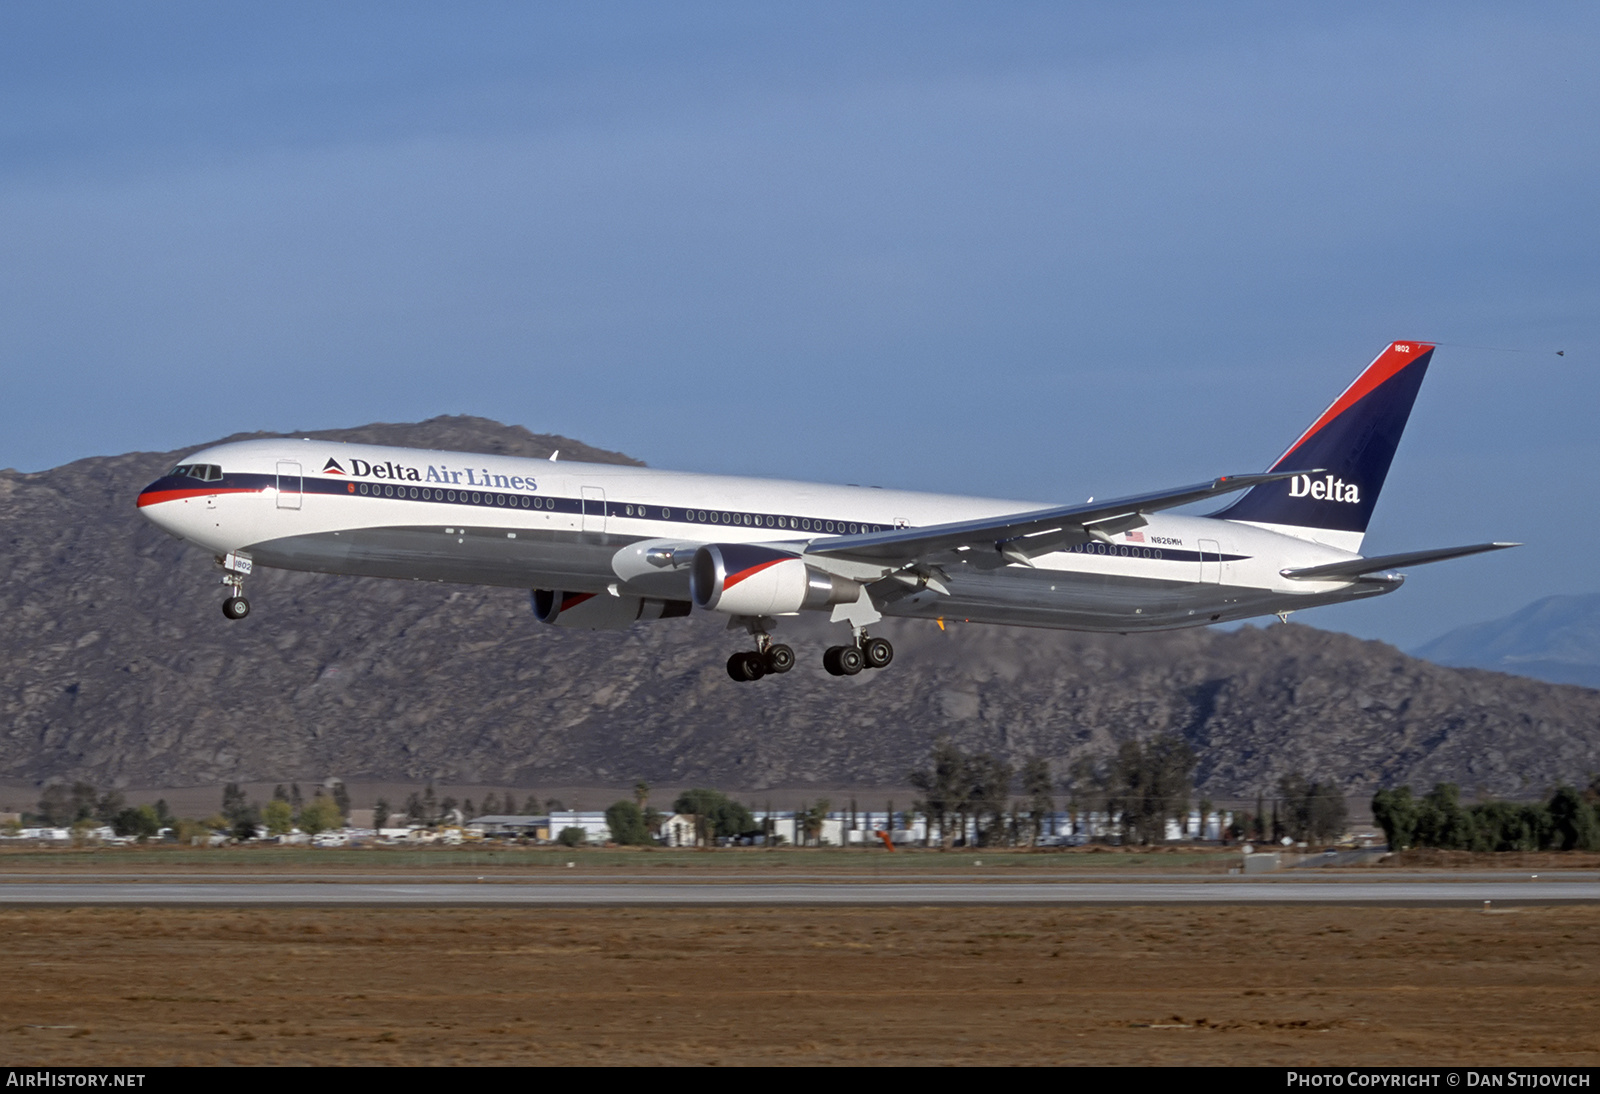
x=594 y=509
x=288 y=484
x=1210 y=562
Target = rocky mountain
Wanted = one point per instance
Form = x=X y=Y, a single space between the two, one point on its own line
x=119 y=668
x=1555 y=639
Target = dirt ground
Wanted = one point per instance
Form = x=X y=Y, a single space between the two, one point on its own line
x=1130 y=985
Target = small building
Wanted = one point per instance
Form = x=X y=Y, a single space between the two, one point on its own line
x=678 y=830
x=511 y=826
x=594 y=825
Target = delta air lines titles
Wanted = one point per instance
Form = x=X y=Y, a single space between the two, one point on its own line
x=434 y=473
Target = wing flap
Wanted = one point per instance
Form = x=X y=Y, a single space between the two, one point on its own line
x=1356 y=567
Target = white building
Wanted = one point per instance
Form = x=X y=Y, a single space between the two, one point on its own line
x=594 y=825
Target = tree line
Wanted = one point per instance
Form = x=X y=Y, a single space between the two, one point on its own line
x=286 y=810
x=1568 y=820
x=1305 y=811
x=717 y=816
x=1138 y=788
x=968 y=799
x=82 y=804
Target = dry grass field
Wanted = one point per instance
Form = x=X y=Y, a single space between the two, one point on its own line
x=1123 y=985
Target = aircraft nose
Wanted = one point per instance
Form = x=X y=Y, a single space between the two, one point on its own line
x=159 y=503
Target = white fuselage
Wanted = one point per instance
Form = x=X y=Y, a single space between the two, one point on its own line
x=592 y=528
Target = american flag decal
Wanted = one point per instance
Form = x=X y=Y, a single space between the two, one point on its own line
x=1135 y=537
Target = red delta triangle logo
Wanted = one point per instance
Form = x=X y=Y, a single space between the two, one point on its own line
x=332 y=468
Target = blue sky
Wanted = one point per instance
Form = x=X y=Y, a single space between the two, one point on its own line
x=1034 y=251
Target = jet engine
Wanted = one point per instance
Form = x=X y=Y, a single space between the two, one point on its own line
x=747 y=579
x=601 y=611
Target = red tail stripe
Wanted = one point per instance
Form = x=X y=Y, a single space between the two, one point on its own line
x=1390 y=362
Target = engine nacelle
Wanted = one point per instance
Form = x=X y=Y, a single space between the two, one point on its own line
x=747 y=579
x=601 y=611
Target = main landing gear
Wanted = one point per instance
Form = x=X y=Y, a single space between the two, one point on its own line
x=773 y=659
x=769 y=658
x=867 y=653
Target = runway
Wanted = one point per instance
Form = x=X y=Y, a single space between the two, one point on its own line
x=851 y=892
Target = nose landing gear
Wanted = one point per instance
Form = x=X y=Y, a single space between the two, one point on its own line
x=235 y=568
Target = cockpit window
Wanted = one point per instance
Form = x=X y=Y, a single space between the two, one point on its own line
x=205 y=472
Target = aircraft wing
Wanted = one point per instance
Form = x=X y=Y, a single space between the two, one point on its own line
x=1355 y=567
x=1017 y=537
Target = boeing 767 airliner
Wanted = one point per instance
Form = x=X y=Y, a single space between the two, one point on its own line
x=604 y=547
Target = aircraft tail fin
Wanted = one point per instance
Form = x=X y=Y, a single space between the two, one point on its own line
x=1344 y=457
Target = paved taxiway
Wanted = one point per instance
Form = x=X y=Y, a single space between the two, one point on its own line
x=592 y=892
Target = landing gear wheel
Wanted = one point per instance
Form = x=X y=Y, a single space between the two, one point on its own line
x=877 y=652
x=745 y=667
x=236 y=607
x=849 y=660
x=830 y=661
x=778 y=659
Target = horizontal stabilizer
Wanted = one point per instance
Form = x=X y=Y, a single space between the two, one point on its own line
x=1356 y=567
x=902 y=545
